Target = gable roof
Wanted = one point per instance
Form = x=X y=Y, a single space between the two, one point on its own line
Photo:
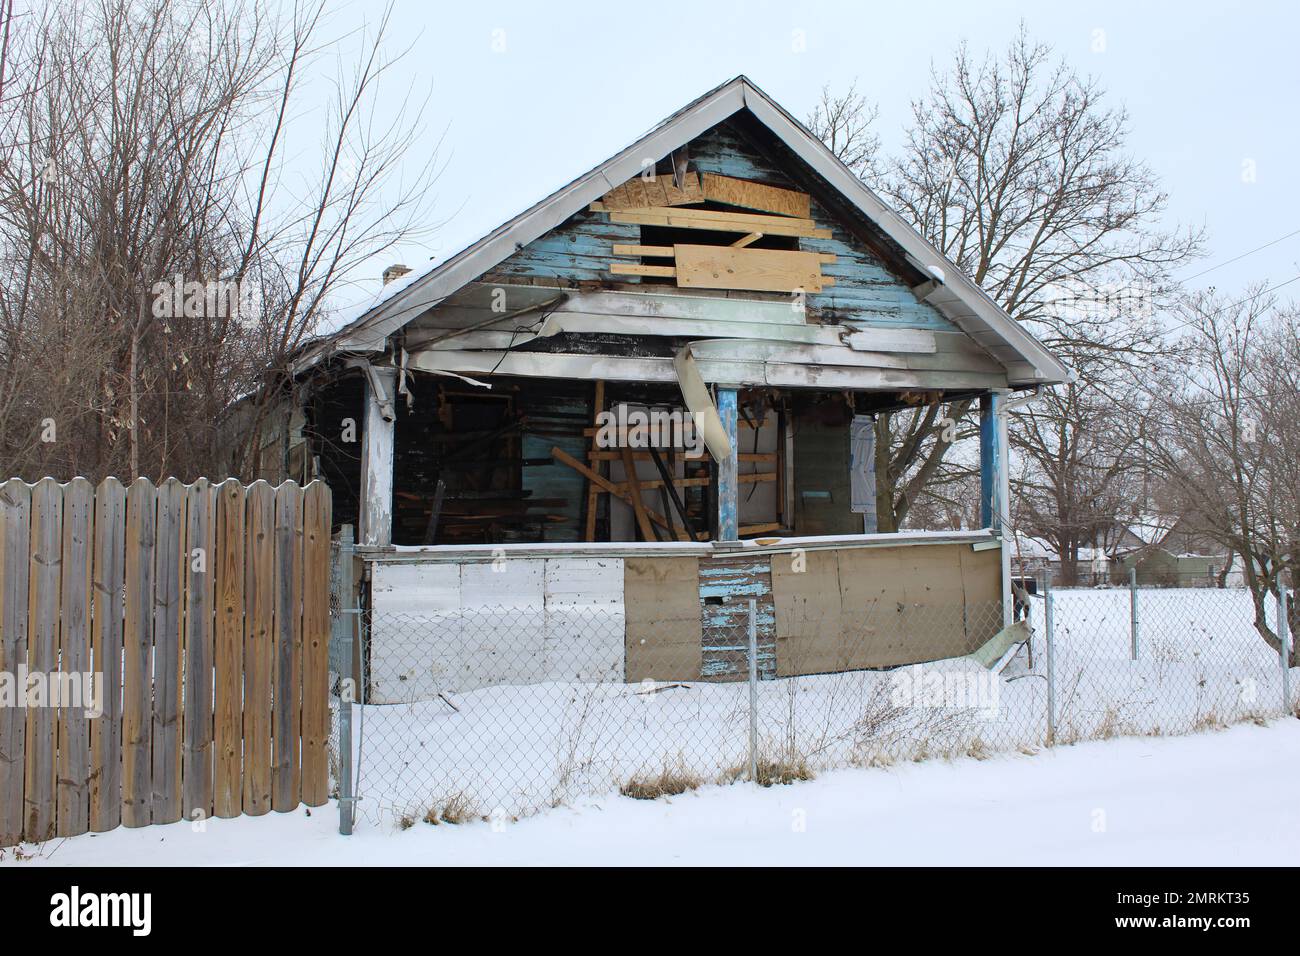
x=955 y=295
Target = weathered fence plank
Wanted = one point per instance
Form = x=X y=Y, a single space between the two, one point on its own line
x=167 y=638
x=42 y=658
x=73 y=787
x=286 y=723
x=228 y=728
x=316 y=519
x=197 y=751
x=106 y=642
x=15 y=544
x=137 y=639
x=259 y=614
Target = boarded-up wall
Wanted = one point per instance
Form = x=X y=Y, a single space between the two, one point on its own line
x=881 y=607
x=664 y=637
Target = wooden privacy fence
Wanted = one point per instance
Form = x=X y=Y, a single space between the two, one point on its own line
x=203 y=611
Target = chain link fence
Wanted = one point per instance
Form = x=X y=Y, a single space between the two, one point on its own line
x=502 y=712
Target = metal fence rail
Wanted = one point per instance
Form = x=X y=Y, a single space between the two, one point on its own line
x=502 y=712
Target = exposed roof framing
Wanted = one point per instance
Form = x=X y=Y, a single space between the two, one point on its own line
x=1027 y=361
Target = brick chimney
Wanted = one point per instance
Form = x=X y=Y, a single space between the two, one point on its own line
x=394 y=272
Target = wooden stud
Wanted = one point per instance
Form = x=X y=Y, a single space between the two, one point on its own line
x=598 y=406
x=634 y=493
x=747 y=240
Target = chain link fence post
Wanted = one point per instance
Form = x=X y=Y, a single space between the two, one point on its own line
x=1284 y=643
x=1133 y=608
x=1050 y=627
x=348 y=615
x=753 y=690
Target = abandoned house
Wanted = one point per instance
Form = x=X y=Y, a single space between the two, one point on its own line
x=724 y=271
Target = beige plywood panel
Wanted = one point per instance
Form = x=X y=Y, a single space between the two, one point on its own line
x=662 y=609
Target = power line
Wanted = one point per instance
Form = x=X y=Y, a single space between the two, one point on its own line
x=1229 y=262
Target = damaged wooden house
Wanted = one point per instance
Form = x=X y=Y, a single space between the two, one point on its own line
x=494 y=426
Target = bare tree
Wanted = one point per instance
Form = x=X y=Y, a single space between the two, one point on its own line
x=1016 y=169
x=844 y=124
x=168 y=256
x=1229 y=438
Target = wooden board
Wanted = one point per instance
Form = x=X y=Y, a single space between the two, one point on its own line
x=316 y=518
x=137 y=638
x=15 y=539
x=196 y=744
x=656 y=191
x=228 y=649
x=752 y=195
x=758 y=270
x=715 y=221
x=74 y=658
x=286 y=669
x=109 y=568
x=662 y=610
x=42 y=656
x=259 y=614
x=169 y=568
x=806 y=599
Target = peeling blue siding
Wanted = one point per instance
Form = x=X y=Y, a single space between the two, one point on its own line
x=726 y=585
x=865 y=290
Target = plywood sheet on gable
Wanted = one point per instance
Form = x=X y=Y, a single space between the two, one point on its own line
x=759 y=270
x=751 y=195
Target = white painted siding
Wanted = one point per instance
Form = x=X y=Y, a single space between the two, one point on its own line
x=450 y=627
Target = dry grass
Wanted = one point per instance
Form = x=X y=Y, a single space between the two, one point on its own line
x=455 y=809
x=785 y=769
x=670 y=781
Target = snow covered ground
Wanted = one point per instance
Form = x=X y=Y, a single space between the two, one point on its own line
x=518 y=749
x=1216 y=798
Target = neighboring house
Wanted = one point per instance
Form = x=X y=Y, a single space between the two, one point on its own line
x=1168 y=552
x=725 y=269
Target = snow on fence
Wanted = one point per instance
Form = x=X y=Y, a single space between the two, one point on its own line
x=163 y=652
x=451 y=748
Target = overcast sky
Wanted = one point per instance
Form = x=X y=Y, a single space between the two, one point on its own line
x=531 y=95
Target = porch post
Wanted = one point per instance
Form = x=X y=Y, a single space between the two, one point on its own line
x=995 y=497
x=728 y=475
x=993 y=436
x=376 y=505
